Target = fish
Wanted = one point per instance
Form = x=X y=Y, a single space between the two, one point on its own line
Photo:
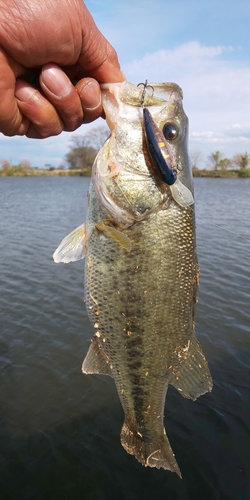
x=141 y=269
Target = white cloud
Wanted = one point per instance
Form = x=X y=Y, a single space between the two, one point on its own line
x=216 y=99
x=212 y=138
x=236 y=134
x=37 y=151
x=40 y=151
x=216 y=90
x=164 y=63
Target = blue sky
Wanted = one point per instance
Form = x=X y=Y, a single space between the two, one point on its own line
x=201 y=45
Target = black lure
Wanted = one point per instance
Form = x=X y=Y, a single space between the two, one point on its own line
x=159 y=151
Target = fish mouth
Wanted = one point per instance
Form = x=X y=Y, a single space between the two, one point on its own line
x=157 y=95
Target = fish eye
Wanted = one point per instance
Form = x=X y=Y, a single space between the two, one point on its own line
x=170 y=131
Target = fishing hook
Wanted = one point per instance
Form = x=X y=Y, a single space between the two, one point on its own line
x=145 y=88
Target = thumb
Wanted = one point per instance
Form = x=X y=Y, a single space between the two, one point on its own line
x=98 y=57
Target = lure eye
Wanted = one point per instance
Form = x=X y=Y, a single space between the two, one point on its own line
x=170 y=131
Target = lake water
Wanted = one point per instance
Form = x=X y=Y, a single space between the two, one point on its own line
x=59 y=429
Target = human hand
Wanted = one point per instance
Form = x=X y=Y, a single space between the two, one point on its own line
x=52 y=58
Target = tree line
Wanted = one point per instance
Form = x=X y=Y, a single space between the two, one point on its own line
x=82 y=152
x=215 y=161
x=84 y=148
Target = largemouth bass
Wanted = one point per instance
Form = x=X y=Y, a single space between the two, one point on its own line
x=141 y=270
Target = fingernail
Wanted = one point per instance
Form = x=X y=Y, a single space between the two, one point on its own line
x=90 y=95
x=24 y=94
x=56 y=81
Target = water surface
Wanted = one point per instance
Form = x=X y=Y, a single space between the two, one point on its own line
x=59 y=432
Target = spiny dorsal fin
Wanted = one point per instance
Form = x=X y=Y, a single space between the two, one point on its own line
x=194 y=377
x=96 y=361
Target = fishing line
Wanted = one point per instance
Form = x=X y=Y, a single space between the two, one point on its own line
x=219 y=227
x=169 y=168
x=203 y=218
x=148 y=176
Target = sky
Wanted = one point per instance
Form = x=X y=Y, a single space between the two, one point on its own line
x=201 y=45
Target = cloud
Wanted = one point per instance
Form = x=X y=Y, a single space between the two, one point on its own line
x=40 y=151
x=216 y=89
x=220 y=137
x=179 y=61
x=37 y=151
x=216 y=100
x=237 y=133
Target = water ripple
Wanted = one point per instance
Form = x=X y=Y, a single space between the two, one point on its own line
x=59 y=429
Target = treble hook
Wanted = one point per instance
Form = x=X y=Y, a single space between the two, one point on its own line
x=145 y=87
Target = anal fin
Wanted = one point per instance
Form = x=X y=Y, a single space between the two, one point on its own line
x=194 y=378
x=96 y=361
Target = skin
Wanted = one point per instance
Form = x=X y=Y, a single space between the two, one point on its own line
x=52 y=59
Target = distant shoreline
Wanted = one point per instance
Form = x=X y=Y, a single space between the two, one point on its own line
x=32 y=172
x=222 y=174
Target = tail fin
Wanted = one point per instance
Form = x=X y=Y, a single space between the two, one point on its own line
x=150 y=453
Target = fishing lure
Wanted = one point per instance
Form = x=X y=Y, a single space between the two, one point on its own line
x=158 y=149
x=162 y=156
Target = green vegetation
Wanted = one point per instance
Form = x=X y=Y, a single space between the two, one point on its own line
x=221 y=173
x=21 y=172
x=83 y=150
x=244 y=172
x=221 y=167
x=79 y=160
x=13 y=170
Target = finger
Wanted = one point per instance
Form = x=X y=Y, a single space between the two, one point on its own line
x=63 y=95
x=40 y=118
x=10 y=116
x=90 y=95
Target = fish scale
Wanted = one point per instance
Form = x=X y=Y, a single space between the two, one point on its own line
x=150 y=318
x=141 y=270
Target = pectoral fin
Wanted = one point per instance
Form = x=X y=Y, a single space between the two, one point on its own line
x=72 y=247
x=194 y=377
x=121 y=238
x=96 y=360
